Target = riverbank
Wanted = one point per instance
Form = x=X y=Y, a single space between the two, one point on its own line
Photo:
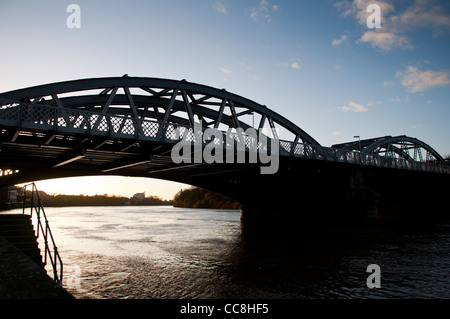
x=196 y=197
x=21 y=278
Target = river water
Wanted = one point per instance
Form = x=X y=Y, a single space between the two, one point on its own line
x=167 y=252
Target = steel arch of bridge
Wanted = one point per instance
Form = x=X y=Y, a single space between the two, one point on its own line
x=162 y=100
x=401 y=147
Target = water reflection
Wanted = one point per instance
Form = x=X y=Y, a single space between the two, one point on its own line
x=331 y=262
x=148 y=252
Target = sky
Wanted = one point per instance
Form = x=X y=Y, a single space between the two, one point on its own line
x=318 y=63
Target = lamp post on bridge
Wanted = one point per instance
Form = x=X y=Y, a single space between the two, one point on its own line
x=359 y=140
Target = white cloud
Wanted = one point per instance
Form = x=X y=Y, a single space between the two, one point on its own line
x=358 y=8
x=386 y=40
x=337 y=42
x=225 y=70
x=388 y=84
x=424 y=13
x=263 y=11
x=397 y=26
x=219 y=7
x=295 y=65
x=372 y=103
x=337 y=133
x=416 y=80
x=353 y=107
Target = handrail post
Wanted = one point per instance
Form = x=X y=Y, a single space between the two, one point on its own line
x=47 y=233
x=32 y=201
x=47 y=249
x=61 y=271
x=38 y=216
x=55 y=270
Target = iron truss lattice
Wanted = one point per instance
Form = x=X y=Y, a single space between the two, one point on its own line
x=396 y=147
x=159 y=100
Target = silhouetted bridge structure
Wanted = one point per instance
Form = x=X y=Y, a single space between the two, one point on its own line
x=128 y=126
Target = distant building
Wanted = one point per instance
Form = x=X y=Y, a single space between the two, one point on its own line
x=8 y=197
x=139 y=196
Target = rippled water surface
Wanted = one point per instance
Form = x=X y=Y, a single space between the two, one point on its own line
x=166 y=252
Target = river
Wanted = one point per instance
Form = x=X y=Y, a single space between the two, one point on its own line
x=166 y=252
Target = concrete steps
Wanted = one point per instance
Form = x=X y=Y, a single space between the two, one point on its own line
x=18 y=230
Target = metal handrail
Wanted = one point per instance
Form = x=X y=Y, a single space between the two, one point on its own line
x=43 y=227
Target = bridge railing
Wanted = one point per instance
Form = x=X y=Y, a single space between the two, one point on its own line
x=65 y=120
x=29 y=115
x=338 y=155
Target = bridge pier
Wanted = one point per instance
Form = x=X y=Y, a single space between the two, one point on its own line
x=309 y=192
x=411 y=197
x=286 y=216
x=337 y=193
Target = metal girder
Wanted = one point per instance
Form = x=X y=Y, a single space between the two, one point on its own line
x=220 y=114
x=170 y=106
x=399 y=145
x=144 y=102
x=234 y=115
x=110 y=99
x=126 y=163
x=70 y=157
x=188 y=108
x=355 y=145
x=417 y=144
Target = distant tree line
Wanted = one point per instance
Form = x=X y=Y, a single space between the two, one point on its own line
x=193 y=197
x=196 y=197
x=99 y=200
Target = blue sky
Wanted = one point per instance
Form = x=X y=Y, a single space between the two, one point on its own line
x=315 y=62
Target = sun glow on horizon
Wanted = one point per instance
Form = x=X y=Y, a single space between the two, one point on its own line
x=110 y=185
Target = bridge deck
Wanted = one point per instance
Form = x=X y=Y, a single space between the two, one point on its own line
x=52 y=134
